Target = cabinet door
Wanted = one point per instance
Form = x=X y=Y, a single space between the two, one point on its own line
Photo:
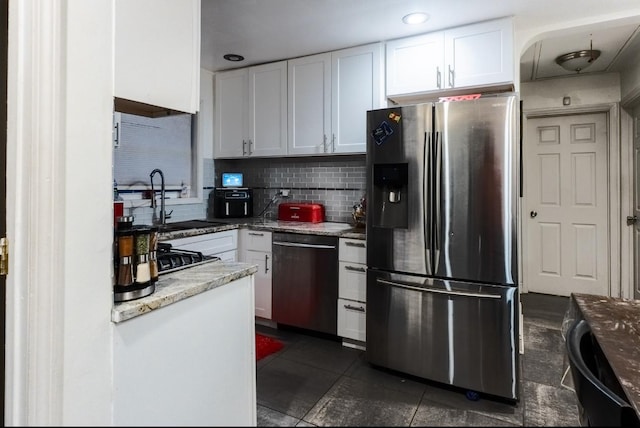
x=352 y=320
x=356 y=77
x=231 y=113
x=480 y=54
x=309 y=94
x=268 y=110
x=262 y=281
x=155 y=66
x=415 y=64
x=210 y=244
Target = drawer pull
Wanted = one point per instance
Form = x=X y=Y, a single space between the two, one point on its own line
x=354 y=308
x=354 y=244
x=256 y=234
x=266 y=263
x=355 y=268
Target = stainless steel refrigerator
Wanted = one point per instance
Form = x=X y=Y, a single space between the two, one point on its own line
x=442 y=188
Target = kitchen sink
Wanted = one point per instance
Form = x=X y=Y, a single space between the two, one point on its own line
x=188 y=224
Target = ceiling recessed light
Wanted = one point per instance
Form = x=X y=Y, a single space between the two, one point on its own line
x=415 y=18
x=233 y=57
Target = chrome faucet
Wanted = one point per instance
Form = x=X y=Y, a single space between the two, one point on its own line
x=163 y=214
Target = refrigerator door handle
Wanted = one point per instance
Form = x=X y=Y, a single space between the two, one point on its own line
x=437 y=291
x=437 y=197
x=427 y=187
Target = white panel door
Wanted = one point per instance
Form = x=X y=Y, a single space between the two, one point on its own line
x=565 y=214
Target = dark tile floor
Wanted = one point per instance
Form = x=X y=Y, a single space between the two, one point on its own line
x=315 y=381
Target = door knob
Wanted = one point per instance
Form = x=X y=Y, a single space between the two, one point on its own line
x=631 y=219
x=533 y=214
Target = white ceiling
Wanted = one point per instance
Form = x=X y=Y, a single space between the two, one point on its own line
x=271 y=30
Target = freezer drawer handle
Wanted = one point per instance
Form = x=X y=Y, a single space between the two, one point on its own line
x=433 y=290
x=354 y=268
x=292 y=244
x=354 y=308
x=354 y=244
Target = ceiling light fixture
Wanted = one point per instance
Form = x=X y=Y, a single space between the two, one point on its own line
x=578 y=60
x=233 y=57
x=415 y=18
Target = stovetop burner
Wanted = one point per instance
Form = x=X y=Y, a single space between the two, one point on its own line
x=173 y=259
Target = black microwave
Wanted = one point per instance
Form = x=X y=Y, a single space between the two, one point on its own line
x=233 y=203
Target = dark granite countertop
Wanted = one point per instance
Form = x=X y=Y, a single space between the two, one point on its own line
x=615 y=322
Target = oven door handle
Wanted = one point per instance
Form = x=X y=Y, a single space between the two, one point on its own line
x=437 y=291
x=295 y=244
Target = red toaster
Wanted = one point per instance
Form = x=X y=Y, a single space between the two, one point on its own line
x=311 y=213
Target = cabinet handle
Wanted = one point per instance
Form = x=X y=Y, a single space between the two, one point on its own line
x=256 y=234
x=333 y=143
x=266 y=263
x=354 y=268
x=451 y=76
x=244 y=148
x=354 y=244
x=250 y=147
x=438 y=78
x=354 y=308
x=324 y=143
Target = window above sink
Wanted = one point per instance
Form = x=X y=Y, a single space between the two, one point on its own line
x=142 y=144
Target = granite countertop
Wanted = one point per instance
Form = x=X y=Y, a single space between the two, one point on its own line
x=175 y=286
x=182 y=284
x=615 y=322
x=343 y=230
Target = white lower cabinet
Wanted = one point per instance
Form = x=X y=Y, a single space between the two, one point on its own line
x=191 y=363
x=255 y=248
x=221 y=244
x=352 y=290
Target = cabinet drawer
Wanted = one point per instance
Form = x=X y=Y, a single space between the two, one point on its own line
x=353 y=250
x=352 y=319
x=256 y=240
x=352 y=280
x=208 y=244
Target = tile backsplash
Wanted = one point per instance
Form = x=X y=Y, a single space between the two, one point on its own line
x=337 y=182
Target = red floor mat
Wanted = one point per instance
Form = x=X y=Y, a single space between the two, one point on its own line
x=266 y=346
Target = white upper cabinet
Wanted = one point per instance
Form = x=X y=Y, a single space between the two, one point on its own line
x=329 y=95
x=231 y=113
x=157 y=53
x=268 y=109
x=309 y=93
x=251 y=111
x=480 y=54
x=356 y=86
x=477 y=55
x=415 y=64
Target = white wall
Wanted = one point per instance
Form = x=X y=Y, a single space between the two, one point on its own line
x=584 y=91
x=630 y=83
x=59 y=213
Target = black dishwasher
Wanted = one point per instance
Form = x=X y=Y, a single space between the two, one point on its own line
x=305 y=281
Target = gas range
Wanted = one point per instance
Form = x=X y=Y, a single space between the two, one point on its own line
x=173 y=259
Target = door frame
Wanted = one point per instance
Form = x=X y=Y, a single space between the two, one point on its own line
x=620 y=283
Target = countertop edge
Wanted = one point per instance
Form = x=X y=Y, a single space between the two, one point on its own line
x=341 y=230
x=180 y=285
